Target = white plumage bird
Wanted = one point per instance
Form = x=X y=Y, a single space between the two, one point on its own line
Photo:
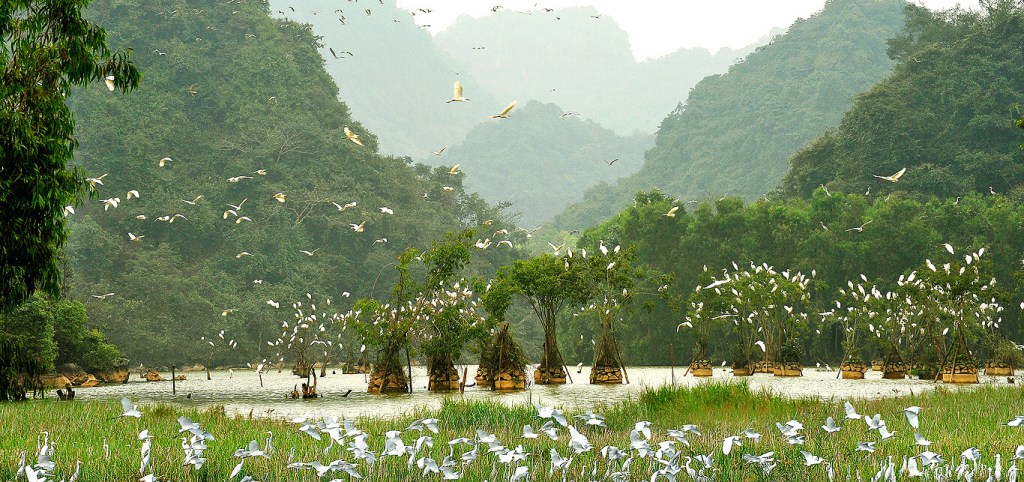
x=457 y=93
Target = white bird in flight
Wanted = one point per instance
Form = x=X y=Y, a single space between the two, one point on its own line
x=504 y=113
x=129 y=409
x=894 y=177
x=457 y=94
x=352 y=136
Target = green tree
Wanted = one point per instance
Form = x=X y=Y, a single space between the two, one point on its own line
x=548 y=283
x=47 y=48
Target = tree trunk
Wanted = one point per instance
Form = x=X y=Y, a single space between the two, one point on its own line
x=551 y=369
x=442 y=374
x=606 y=369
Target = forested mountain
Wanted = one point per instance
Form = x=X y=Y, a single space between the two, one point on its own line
x=540 y=159
x=392 y=74
x=582 y=63
x=951 y=113
x=245 y=114
x=945 y=114
x=737 y=130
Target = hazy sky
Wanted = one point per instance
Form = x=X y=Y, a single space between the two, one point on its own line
x=659 y=27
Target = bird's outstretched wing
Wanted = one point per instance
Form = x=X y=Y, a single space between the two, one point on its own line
x=505 y=112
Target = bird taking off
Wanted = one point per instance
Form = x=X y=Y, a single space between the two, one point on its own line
x=894 y=177
x=457 y=94
x=504 y=113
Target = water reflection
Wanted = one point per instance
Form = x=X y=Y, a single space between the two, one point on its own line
x=241 y=393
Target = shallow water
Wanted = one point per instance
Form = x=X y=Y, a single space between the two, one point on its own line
x=240 y=392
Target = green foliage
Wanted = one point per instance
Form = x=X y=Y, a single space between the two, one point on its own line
x=32 y=324
x=737 y=130
x=832 y=238
x=57 y=332
x=45 y=51
x=944 y=114
x=80 y=343
x=264 y=103
x=548 y=283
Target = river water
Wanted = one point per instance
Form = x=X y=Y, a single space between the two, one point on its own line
x=240 y=392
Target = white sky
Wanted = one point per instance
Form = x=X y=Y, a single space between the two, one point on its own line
x=659 y=27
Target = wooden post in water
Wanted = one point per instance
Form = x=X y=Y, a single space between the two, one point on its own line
x=408 y=362
x=173 y=381
x=462 y=386
x=622 y=366
x=672 y=362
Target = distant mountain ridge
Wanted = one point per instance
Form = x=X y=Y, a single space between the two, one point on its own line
x=583 y=64
x=541 y=159
x=737 y=131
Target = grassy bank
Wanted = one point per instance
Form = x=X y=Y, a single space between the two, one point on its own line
x=954 y=421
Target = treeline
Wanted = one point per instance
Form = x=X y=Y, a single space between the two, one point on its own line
x=832 y=238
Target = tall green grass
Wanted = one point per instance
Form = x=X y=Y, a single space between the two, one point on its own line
x=953 y=420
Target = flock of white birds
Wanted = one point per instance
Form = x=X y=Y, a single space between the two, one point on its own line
x=672 y=455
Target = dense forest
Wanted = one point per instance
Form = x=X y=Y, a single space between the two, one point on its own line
x=226 y=198
x=541 y=159
x=858 y=227
x=945 y=114
x=249 y=193
x=736 y=131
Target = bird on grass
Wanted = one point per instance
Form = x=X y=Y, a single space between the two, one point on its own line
x=129 y=409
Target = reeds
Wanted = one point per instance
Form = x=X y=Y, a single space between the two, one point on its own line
x=953 y=420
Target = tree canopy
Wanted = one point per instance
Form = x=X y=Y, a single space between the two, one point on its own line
x=46 y=50
x=945 y=114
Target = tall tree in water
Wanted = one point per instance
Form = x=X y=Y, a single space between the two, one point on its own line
x=548 y=283
x=46 y=49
